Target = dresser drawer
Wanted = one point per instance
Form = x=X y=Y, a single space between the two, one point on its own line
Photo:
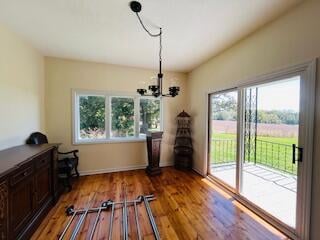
x=21 y=174
x=42 y=160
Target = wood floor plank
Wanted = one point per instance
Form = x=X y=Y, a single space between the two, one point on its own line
x=187 y=207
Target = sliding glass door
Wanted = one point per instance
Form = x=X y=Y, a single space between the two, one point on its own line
x=271 y=136
x=257 y=147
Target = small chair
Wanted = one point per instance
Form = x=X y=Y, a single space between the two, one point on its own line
x=66 y=164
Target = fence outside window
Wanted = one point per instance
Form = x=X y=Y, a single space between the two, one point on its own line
x=275 y=155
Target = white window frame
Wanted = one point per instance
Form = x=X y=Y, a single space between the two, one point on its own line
x=76 y=140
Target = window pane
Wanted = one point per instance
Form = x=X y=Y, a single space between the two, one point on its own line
x=92 y=117
x=122 y=114
x=223 y=131
x=271 y=128
x=149 y=115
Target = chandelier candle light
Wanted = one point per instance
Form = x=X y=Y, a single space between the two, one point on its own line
x=156 y=90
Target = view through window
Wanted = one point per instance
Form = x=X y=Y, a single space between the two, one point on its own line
x=99 y=117
x=122 y=117
x=224 y=136
x=149 y=115
x=92 y=117
x=267 y=173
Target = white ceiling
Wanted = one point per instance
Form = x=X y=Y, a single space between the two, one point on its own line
x=107 y=30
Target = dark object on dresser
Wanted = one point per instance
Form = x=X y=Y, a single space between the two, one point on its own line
x=66 y=164
x=29 y=188
x=154 y=149
x=183 y=145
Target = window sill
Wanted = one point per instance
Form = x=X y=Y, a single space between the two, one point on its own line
x=113 y=140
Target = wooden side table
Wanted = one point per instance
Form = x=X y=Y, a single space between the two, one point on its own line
x=154 y=149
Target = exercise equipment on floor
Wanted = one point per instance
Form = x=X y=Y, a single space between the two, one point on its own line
x=110 y=206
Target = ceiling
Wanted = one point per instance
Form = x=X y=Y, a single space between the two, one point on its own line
x=107 y=31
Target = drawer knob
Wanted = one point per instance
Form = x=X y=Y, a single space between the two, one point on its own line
x=25 y=173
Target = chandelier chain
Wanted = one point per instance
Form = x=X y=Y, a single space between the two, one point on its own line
x=144 y=27
x=160 y=49
x=152 y=35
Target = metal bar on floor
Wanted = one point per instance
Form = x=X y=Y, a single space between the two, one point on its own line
x=151 y=218
x=137 y=220
x=67 y=226
x=125 y=218
x=82 y=218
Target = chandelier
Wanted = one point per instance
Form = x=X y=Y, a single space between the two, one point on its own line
x=155 y=90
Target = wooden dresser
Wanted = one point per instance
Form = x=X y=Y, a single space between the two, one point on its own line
x=29 y=187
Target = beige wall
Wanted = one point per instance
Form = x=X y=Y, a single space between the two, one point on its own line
x=21 y=90
x=64 y=75
x=290 y=40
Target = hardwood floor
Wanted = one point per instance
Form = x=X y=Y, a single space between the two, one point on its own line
x=187 y=207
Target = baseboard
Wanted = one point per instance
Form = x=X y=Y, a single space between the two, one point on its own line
x=166 y=164
x=120 y=169
x=199 y=172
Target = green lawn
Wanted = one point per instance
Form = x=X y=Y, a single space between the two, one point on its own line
x=275 y=152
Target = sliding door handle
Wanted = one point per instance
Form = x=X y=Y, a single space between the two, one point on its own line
x=294 y=154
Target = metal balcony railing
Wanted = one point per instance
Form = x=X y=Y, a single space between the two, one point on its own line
x=275 y=155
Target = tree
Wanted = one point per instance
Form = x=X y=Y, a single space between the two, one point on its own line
x=92 y=113
x=224 y=107
x=92 y=116
x=122 y=117
x=268 y=117
x=278 y=117
x=149 y=114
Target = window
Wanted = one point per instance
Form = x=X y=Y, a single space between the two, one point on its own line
x=107 y=117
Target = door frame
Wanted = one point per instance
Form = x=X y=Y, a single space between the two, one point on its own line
x=307 y=71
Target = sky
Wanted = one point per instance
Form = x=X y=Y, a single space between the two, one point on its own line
x=278 y=95
x=282 y=95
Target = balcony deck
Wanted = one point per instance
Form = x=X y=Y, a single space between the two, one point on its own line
x=270 y=189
